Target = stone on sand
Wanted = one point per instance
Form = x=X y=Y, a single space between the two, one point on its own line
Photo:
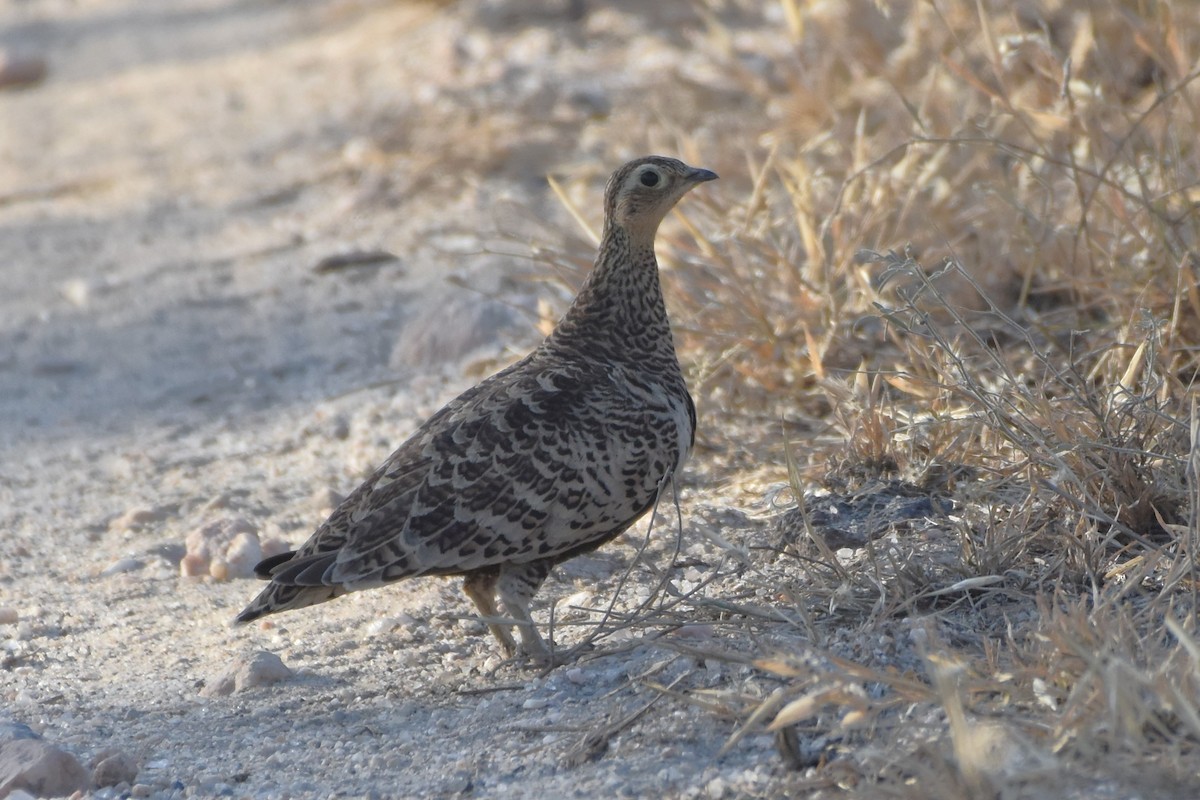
x=226 y=548
x=247 y=671
x=39 y=768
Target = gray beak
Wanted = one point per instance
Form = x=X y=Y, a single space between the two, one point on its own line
x=698 y=175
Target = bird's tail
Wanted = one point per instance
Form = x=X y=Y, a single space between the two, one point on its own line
x=281 y=597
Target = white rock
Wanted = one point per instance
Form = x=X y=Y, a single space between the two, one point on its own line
x=40 y=768
x=581 y=599
x=225 y=549
x=122 y=565
x=244 y=552
x=76 y=291
x=247 y=671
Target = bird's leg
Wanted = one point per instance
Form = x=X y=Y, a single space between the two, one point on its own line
x=480 y=586
x=517 y=585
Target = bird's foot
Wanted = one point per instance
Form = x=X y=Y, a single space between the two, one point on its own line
x=561 y=658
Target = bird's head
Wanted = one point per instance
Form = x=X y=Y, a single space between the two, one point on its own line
x=641 y=193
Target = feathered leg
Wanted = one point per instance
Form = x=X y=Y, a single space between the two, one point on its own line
x=517 y=584
x=480 y=586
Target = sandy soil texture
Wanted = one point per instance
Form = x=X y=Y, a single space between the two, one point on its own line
x=246 y=248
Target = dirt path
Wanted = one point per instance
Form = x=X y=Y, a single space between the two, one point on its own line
x=171 y=356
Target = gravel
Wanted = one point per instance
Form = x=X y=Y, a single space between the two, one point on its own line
x=186 y=349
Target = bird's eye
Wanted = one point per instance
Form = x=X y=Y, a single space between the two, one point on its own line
x=649 y=178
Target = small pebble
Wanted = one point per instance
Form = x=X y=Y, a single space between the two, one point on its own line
x=19 y=71
x=716 y=788
x=75 y=292
x=581 y=599
x=58 y=366
x=137 y=518
x=670 y=775
x=247 y=671
x=113 y=769
x=694 y=633
x=122 y=565
x=457 y=784
x=8 y=615
x=381 y=626
x=361 y=151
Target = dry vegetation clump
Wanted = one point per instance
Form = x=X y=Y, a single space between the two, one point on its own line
x=957 y=255
x=962 y=257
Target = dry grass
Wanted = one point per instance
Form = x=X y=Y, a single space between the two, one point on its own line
x=957 y=252
x=1035 y=363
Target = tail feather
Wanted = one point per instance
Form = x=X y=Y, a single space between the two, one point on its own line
x=264 y=568
x=281 y=597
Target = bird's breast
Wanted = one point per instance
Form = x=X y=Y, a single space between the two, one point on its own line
x=659 y=406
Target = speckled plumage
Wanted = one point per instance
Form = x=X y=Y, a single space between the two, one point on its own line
x=543 y=461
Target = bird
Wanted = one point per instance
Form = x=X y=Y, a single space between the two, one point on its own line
x=543 y=461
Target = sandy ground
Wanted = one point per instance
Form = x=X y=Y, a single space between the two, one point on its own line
x=171 y=356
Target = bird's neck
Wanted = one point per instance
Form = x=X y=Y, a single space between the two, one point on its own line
x=619 y=312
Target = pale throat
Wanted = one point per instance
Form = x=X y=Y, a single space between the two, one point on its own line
x=641 y=231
